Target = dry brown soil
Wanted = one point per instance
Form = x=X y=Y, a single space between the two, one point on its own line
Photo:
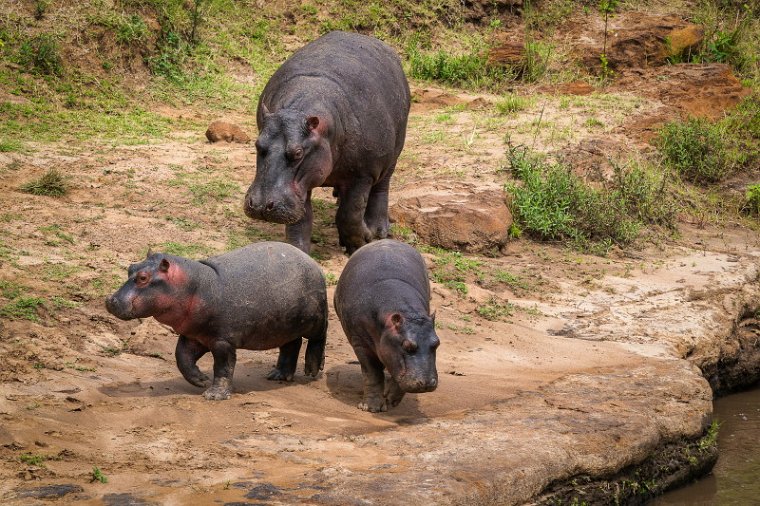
x=587 y=375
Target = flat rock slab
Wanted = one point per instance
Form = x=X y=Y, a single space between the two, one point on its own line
x=455 y=216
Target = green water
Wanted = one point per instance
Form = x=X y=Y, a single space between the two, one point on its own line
x=735 y=479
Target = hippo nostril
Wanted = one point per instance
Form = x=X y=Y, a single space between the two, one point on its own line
x=270 y=205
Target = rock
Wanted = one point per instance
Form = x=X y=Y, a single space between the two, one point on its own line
x=507 y=54
x=50 y=491
x=682 y=42
x=456 y=217
x=222 y=131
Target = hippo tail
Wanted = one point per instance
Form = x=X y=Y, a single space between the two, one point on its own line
x=315 y=348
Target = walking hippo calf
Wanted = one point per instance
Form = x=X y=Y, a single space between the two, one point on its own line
x=383 y=302
x=265 y=295
x=334 y=114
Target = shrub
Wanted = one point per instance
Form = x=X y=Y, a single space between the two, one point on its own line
x=512 y=103
x=752 y=200
x=40 y=55
x=51 y=184
x=695 y=149
x=468 y=69
x=552 y=203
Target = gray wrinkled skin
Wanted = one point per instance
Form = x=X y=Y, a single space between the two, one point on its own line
x=383 y=303
x=334 y=114
x=265 y=295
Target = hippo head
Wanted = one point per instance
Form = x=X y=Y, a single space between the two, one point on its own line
x=407 y=349
x=293 y=155
x=151 y=289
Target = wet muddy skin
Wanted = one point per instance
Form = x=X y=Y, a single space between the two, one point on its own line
x=735 y=479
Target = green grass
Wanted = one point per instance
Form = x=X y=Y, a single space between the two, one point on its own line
x=10 y=145
x=183 y=250
x=699 y=150
x=452 y=269
x=214 y=190
x=511 y=103
x=41 y=55
x=10 y=289
x=50 y=184
x=552 y=203
x=752 y=200
x=22 y=308
x=32 y=459
x=495 y=309
x=97 y=475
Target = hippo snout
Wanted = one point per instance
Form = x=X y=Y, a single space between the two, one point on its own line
x=416 y=386
x=116 y=307
x=285 y=210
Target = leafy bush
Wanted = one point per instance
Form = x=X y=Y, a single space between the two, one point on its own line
x=40 y=55
x=552 y=203
x=705 y=152
x=469 y=69
x=51 y=184
x=752 y=200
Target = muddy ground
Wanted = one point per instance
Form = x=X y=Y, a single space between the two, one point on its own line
x=593 y=366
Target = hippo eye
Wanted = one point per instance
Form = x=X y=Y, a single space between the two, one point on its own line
x=261 y=150
x=296 y=154
x=142 y=278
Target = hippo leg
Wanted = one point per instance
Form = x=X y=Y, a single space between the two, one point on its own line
x=352 y=203
x=224 y=367
x=315 y=354
x=376 y=215
x=286 y=362
x=299 y=233
x=374 y=378
x=393 y=393
x=187 y=354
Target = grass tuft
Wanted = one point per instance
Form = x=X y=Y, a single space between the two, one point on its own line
x=51 y=184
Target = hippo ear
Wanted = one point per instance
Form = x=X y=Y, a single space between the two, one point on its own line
x=312 y=122
x=150 y=252
x=164 y=265
x=265 y=110
x=432 y=317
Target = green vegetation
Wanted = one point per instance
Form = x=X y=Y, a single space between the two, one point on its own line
x=512 y=103
x=451 y=269
x=183 y=250
x=22 y=308
x=7 y=146
x=495 y=309
x=32 y=459
x=752 y=200
x=51 y=184
x=41 y=55
x=97 y=475
x=554 y=204
x=214 y=190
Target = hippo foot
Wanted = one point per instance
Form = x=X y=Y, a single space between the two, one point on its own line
x=392 y=402
x=373 y=406
x=217 y=393
x=201 y=381
x=278 y=375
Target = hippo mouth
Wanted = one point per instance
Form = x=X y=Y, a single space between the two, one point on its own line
x=416 y=385
x=117 y=308
x=276 y=214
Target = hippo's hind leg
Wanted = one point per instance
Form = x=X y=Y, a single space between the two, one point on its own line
x=376 y=215
x=286 y=362
x=315 y=352
x=187 y=354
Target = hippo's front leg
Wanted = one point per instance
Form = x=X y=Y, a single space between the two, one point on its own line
x=393 y=393
x=299 y=233
x=224 y=367
x=352 y=203
x=374 y=378
x=187 y=354
x=376 y=215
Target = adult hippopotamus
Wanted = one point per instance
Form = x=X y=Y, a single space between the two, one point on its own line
x=334 y=114
x=263 y=296
x=383 y=303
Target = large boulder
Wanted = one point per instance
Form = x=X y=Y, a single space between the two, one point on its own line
x=455 y=216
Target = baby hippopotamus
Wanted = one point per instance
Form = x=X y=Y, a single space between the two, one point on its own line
x=265 y=295
x=383 y=302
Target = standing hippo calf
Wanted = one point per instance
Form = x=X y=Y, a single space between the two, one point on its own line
x=334 y=114
x=383 y=302
x=265 y=295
